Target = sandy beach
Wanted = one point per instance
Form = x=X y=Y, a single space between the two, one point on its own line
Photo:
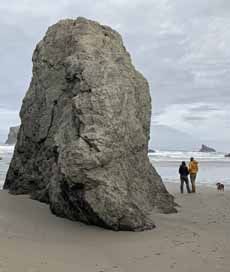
x=197 y=238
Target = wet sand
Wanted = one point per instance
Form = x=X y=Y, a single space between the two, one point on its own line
x=197 y=238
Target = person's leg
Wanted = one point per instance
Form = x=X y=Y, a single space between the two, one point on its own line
x=192 y=182
x=181 y=185
x=193 y=179
x=187 y=185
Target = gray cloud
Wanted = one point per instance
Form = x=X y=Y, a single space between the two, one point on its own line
x=182 y=47
x=194 y=118
x=205 y=108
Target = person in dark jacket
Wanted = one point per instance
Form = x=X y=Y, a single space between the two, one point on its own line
x=183 y=171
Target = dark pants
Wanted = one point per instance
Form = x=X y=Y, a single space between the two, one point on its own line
x=184 y=179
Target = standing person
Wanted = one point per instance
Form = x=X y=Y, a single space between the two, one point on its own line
x=183 y=171
x=193 y=169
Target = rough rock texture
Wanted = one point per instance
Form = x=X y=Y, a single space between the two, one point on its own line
x=83 y=142
x=205 y=148
x=12 y=136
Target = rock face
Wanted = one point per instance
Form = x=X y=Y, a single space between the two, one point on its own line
x=12 y=136
x=205 y=148
x=83 y=143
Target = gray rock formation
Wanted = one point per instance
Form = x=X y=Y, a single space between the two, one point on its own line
x=207 y=149
x=83 y=142
x=12 y=136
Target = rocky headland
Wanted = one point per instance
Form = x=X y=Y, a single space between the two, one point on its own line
x=12 y=136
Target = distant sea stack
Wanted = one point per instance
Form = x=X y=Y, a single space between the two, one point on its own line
x=12 y=136
x=83 y=143
x=205 y=148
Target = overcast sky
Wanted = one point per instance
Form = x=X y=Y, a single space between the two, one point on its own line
x=182 y=48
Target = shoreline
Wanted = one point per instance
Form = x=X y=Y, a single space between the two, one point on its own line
x=197 y=238
x=198 y=185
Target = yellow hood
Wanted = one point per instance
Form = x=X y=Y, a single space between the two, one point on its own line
x=193 y=167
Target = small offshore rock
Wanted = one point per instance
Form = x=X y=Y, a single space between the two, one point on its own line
x=205 y=148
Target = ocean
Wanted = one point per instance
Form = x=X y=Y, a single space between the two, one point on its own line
x=6 y=153
x=213 y=167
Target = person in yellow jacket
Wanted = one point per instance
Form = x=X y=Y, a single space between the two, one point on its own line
x=193 y=170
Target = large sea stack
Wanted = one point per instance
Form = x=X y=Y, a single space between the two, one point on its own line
x=83 y=143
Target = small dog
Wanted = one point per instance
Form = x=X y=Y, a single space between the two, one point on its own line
x=220 y=186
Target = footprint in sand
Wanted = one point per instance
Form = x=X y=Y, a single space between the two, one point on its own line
x=172 y=266
x=177 y=243
x=115 y=268
x=33 y=269
x=195 y=234
x=220 y=257
x=215 y=250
